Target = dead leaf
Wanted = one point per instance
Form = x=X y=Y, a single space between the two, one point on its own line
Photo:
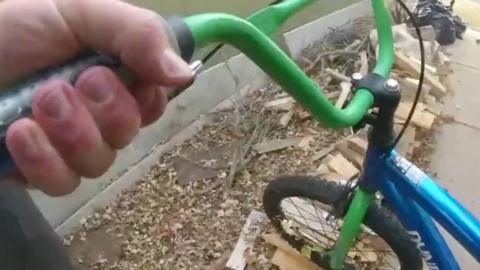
x=188 y=171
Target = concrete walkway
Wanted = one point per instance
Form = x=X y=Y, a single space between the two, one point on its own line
x=456 y=158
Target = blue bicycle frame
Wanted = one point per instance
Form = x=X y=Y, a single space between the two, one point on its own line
x=418 y=201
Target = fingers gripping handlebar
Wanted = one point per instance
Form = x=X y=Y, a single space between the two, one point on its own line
x=16 y=100
x=249 y=36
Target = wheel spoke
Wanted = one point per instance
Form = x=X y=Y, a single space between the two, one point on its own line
x=301 y=215
x=327 y=233
x=318 y=216
x=294 y=215
x=323 y=231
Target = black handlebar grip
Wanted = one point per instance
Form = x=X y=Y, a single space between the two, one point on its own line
x=16 y=101
x=183 y=37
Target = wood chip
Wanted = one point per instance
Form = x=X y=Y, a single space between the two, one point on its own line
x=286 y=262
x=403 y=62
x=363 y=63
x=275 y=145
x=375 y=242
x=326 y=151
x=355 y=157
x=367 y=256
x=276 y=240
x=322 y=153
x=409 y=87
x=323 y=169
x=358 y=145
x=424 y=120
x=428 y=68
x=309 y=65
x=328 y=158
x=343 y=167
x=333 y=95
x=353 y=46
x=279 y=242
x=285 y=119
x=403 y=110
x=429 y=99
x=282 y=104
x=443 y=59
x=346 y=88
x=407 y=144
x=435 y=108
x=421 y=117
x=281 y=95
x=337 y=75
x=252 y=228
x=436 y=50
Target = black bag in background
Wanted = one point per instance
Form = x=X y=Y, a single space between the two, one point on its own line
x=447 y=25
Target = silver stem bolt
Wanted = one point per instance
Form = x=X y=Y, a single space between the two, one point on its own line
x=357 y=76
x=392 y=85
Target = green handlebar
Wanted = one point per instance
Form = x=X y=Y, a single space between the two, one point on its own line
x=269 y=19
x=253 y=42
x=383 y=21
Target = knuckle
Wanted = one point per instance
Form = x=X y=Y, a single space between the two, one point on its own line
x=62 y=188
x=93 y=168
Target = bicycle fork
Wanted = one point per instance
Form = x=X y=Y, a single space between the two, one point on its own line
x=353 y=220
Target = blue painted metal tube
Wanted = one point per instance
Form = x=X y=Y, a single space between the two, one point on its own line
x=421 y=228
x=437 y=202
x=416 y=221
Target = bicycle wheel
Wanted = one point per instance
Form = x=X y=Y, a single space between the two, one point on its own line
x=305 y=210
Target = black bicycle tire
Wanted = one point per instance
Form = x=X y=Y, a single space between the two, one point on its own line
x=379 y=219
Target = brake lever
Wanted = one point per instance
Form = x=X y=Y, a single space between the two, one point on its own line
x=196 y=66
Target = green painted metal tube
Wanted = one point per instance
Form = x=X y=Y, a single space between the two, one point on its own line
x=351 y=227
x=249 y=38
x=271 y=18
x=386 y=54
x=223 y=28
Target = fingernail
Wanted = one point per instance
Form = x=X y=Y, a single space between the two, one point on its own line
x=31 y=145
x=55 y=104
x=96 y=86
x=174 y=67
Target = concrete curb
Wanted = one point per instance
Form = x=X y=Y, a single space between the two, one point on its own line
x=306 y=35
x=213 y=89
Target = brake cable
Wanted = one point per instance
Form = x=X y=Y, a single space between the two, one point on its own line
x=220 y=46
x=350 y=187
x=422 y=71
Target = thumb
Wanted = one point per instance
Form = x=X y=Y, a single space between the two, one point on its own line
x=136 y=35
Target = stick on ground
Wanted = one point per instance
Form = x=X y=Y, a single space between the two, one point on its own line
x=346 y=88
x=252 y=228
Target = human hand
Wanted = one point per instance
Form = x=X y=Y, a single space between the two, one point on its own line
x=76 y=129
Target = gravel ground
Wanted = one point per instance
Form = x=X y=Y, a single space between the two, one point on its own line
x=159 y=224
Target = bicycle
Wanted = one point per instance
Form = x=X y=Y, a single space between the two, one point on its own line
x=413 y=199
